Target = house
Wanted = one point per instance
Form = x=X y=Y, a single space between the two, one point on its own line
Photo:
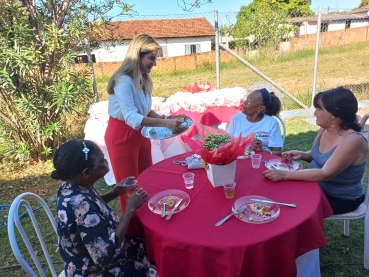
x=361 y=11
x=331 y=22
x=177 y=37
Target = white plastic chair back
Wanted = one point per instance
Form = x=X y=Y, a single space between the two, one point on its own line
x=13 y=219
x=283 y=131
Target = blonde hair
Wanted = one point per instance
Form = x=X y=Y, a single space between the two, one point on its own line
x=139 y=46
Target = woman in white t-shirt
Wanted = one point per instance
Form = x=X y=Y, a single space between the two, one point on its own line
x=257 y=116
x=129 y=108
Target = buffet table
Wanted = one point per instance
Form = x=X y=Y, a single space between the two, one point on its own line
x=189 y=244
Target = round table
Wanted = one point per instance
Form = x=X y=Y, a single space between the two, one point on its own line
x=189 y=244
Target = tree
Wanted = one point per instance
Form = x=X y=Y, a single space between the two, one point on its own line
x=259 y=24
x=190 y=6
x=364 y=3
x=296 y=8
x=264 y=22
x=38 y=90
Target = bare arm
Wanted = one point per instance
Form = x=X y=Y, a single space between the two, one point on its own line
x=168 y=123
x=155 y=115
x=111 y=195
x=298 y=155
x=132 y=204
x=301 y=155
x=351 y=150
x=116 y=191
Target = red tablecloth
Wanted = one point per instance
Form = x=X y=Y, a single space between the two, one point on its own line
x=211 y=116
x=189 y=244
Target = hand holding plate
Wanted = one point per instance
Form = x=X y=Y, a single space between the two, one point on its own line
x=172 y=123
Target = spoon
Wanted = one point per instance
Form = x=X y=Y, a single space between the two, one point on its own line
x=163 y=209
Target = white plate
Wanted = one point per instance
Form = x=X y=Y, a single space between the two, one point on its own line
x=279 y=162
x=164 y=133
x=156 y=202
x=251 y=217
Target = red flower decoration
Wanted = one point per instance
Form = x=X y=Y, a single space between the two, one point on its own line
x=195 y=88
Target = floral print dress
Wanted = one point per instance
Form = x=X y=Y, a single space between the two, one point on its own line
x=87 y=240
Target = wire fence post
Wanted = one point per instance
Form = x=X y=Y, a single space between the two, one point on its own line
x=317 y=44
x=217 y=53
x=92 y=72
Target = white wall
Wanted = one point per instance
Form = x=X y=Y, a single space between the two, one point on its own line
x=336 y=26
x=306 y=29
x=175 y=47
x=359 y=24
x=110 y=54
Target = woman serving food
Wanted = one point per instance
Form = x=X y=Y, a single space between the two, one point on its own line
x=129 y=108
x=338 y=156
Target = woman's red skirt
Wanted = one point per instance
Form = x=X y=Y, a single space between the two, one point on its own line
x=129 y=152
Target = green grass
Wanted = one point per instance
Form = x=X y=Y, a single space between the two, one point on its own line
x=347 y=65
x=342 y=256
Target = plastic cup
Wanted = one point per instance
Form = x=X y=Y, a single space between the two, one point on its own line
x=188 y=179
x=131 y=186
x=255 y=160
x=229 y=189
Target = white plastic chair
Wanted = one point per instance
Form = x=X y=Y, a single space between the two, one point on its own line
x=359 y=213
x=283 y=131
x=13 y=218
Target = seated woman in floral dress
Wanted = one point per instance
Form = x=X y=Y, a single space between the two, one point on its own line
x=92 y=239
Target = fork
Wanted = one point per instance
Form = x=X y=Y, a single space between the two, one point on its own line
x=240 y=210
x=289 y=161
x=289 y=164
x=270 y=164
x=163 y=209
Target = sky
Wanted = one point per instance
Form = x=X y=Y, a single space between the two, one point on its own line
x=166 y=7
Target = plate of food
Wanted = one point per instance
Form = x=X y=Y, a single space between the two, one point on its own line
x=170 y=197
x=163 y=132
x=256 y=212
x=284 y=164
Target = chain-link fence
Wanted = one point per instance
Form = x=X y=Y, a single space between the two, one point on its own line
x=281 y=47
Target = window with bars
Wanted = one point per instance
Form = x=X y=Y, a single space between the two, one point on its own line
x=192 y=49
x=324 y=27
x=163 y=52
x=348 y=24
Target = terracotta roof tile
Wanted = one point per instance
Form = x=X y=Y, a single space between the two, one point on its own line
x=162 y=28
x=361 y=10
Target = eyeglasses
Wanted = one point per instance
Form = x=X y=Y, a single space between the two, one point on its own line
x=250 y=101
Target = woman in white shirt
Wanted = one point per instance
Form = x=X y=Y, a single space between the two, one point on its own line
x=129 y=109
x=257 y=116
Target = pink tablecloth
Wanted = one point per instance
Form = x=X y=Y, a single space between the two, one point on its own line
x=190 y=245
